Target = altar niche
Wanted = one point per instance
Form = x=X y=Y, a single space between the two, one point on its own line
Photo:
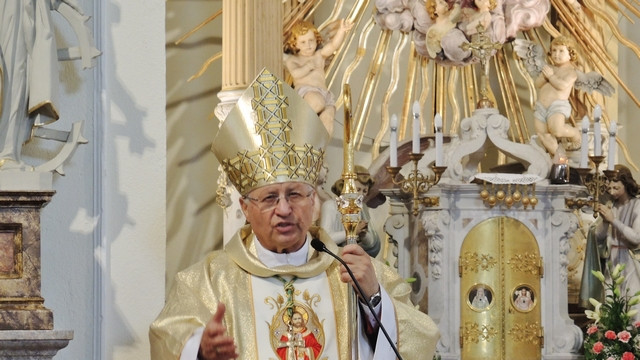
x=500 y=270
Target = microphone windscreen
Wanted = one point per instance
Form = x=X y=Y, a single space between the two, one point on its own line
x=318 y=245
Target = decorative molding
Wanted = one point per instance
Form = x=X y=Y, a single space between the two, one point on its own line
x=566 y=225
x=474 y=332
x=484 y=126
x=101 y=114
x=568 y=340
x=474 y=262
x=430 y=223
x=527 y=333
x=397 y=228
x=527 y=263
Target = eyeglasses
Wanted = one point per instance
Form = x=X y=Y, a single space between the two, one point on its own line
x=270 y=201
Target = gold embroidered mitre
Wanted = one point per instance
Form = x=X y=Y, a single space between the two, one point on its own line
x=271 y=136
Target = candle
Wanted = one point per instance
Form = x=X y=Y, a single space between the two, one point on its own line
x=584 y=148
x=613 y=128
x=393 y=141
x=597 y=138
x=416 y=128
x=438 y=124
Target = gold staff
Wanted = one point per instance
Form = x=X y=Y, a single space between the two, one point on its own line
x=349 y=205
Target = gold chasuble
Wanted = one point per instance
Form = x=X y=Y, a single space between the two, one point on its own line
x=262 y=301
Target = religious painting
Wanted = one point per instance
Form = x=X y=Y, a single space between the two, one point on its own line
x=523 y=298
x=480 y=297
x=297 y=334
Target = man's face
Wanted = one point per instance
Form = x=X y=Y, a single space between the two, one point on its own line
x=307 y=43
x=296 y=320
x=560 y=54
x=616 y=189
x=280 y=215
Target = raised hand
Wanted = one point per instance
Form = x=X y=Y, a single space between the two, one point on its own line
x=215 y=343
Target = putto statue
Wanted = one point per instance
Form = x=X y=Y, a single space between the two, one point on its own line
x=555 y=83
x=305 y=58
x=28 y=77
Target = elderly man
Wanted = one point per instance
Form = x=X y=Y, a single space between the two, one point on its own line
x=248 y=301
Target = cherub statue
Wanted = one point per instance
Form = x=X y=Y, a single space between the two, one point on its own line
x=305 y=60
x=554 y=83
x=445 y=15
x=478 y=12
x=476 y=17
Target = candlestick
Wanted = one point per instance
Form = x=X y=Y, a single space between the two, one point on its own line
x=611 y=158
x=416 y=128
x=584 y=149
x=393 y=141
x=438 y=124
x=597 y=138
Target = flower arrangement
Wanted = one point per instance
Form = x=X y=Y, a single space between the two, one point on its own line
x=612 y=336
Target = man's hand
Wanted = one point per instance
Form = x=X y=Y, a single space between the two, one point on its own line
x=215 y=343
x=360 y=264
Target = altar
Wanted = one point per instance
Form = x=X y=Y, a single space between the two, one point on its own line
x=489 y=261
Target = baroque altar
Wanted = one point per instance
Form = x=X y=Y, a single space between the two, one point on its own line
x=490 y=258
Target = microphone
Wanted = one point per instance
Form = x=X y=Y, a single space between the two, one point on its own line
x=319 y=246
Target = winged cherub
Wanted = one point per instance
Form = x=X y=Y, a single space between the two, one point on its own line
x=554 y=83
x=305 y=60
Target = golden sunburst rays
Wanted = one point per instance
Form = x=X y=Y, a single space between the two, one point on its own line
x=453 y=91
x=374 y=62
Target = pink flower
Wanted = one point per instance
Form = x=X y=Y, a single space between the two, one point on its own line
x=624 y=336
x=592 y=329
x=610 y=334
x=628 y=356
x=637 y=324
x=597 y=347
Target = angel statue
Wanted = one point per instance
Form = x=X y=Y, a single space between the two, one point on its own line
x=305 y=60
x=554 y=83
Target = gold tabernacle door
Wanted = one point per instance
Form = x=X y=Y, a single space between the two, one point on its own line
x=500 y=269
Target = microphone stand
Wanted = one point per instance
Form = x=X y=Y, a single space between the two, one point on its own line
x=319 y=246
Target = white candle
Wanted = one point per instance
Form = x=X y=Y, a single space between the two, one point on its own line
x=613 y=128
x=393 y=141
x=597 y=138
x=584 y=148
x=416 y=128
x=438 y=124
